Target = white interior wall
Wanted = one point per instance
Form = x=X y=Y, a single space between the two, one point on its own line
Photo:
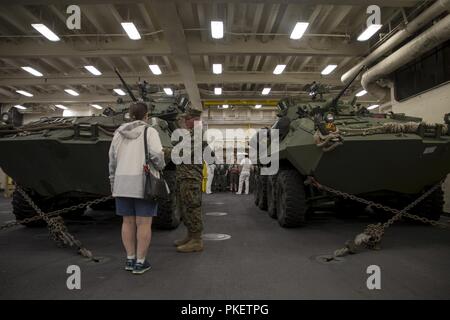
x=431 y=106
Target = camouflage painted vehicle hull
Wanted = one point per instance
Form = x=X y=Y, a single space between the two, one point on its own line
x=381 y=162
x=390 y=160
x=67 y=163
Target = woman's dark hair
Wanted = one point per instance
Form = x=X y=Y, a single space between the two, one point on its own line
x=138 y=110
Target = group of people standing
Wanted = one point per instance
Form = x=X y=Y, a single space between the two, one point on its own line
x=234 y=178
x=127 y=163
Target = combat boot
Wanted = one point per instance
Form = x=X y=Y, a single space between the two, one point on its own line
x=180 y=242
x=195 y=244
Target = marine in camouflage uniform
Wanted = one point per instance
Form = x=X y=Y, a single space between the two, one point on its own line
x=189 y=197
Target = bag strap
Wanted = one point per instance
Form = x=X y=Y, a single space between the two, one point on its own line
x=147 y=160
x=145 y=145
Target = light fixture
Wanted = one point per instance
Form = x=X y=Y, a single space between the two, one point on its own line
x=24 y=93
x=120 y=92
x=217 y=29
x=155 y=69
x=93 y=70
x=373 y=106
x=96 y=106
x=60 y=106
x=168 y=91
x=46 y=32
x=131 y=30
x=329 y=69
x=33 y=71
x=71 y=92
x=265 y=91
x=225 y=106
x=258 y=106
x=279 y=69
x=299 y=30
x=369 y=32
x=217 y=91
x=217 y=68
x=18 y=106
x=361 y=93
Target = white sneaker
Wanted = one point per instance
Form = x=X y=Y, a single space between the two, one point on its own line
x=238 y=193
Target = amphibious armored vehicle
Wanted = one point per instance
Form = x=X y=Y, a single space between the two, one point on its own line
x=388 y=158
x=63 y=161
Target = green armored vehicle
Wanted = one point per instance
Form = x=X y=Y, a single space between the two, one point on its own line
x=63 y=161
x=387 y=158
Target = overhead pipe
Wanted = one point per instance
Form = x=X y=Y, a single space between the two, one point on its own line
x=431 y=38
x=412 y=27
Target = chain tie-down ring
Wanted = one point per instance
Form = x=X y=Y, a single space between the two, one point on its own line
x=55 y=223
x=371 y=236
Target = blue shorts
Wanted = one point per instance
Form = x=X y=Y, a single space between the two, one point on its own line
x=136 y=207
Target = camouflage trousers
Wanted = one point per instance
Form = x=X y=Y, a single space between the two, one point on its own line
x=189 y=197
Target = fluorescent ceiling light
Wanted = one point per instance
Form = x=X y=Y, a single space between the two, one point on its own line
x=33 y=71
x=225 y=106
x=373 y=106
x=60 y=106
x=369 y=32
x=18 y=106
x=96 y=106
x=329 y=69
x=24 y=93
x=217 y=68
x=131 y=30
x=217 y=91
x=168 y=91
x=279 y=69
x=120 y=92
x=93 y=70
x=361 y=93
x=71 y=92
x=217 y=29
x=46 y=32
x=265 y=91
x=155 y=69
x=258 y=106
x=299 y=30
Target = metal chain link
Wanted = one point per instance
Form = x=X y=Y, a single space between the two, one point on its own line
x=55 y=223
x=373 y=233
x=52 y=213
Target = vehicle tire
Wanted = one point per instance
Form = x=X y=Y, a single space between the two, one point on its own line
x=169 y=215
x=431 y=207
x=22 y=210
x=272 y=196
x=291 y=199
x=256 y=193
x=262 y=198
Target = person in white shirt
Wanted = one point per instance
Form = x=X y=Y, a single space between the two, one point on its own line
x=210 y=168
x=246 y=165
x=126 y=162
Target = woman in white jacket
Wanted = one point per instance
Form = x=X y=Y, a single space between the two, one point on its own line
x=126 y=162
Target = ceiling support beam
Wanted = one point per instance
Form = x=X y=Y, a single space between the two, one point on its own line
x=27 y=48
x=201 y=78
x=174 y=35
